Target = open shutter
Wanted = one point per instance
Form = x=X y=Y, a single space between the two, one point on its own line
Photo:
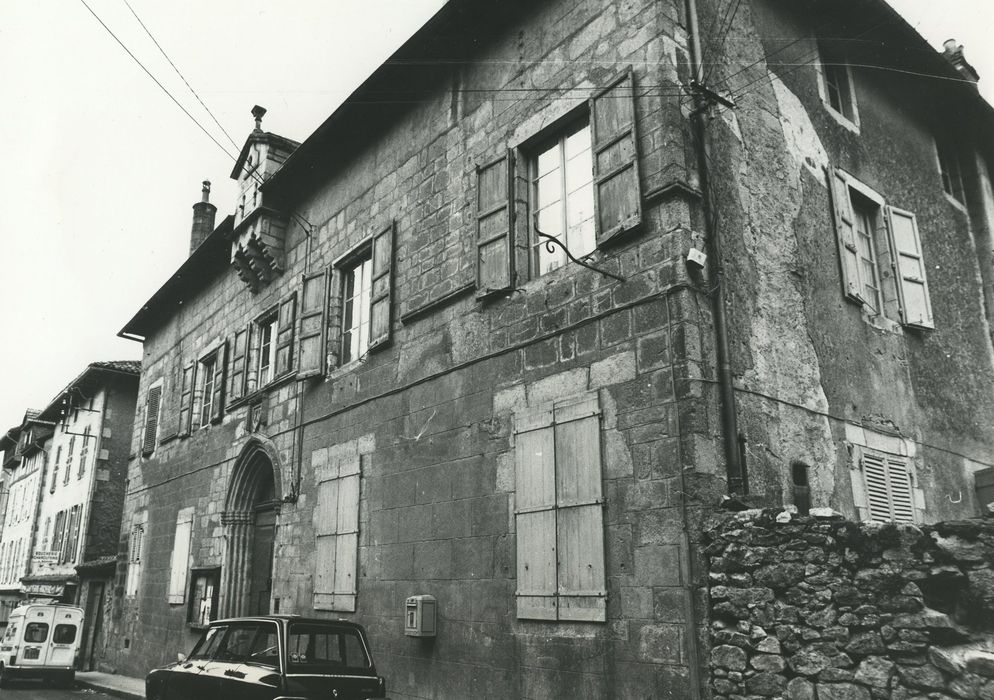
x=912 y=287
x=845 y=232
x=72 y=534
x=313 y=310
x=179 y=563
x=220 y=367
x=186 y=400
x=152 y=401
x=60 y=531
x=535 y=515
x=239 y=363
x=618 y=196
x=284 y=335
x=382 y=287
x=494 y=226
x=580 y=525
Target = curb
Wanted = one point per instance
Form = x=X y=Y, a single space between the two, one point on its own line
x=107 y=690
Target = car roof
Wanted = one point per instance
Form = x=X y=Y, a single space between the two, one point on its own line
x=289 y=618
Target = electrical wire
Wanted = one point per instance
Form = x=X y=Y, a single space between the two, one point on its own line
x=155 y=80
x=182 y=77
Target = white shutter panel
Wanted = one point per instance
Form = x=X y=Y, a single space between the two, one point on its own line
x=336 y=527
x=899 y=481
x=912 y=285
x=845 y=231
x=580 y=529
x=179 y=564
x=535 y=516
x=875 y=475
x=347 y=548
x=311 y=335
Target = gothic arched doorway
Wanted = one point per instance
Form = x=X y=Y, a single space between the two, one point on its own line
x=249 y=519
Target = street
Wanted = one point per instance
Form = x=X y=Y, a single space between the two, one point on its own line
x=34 y=690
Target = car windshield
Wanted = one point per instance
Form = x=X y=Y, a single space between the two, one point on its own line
x=316 y=646
x=208 y=643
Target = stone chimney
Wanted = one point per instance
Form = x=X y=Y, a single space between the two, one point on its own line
x=203 y=218
x=953 y=52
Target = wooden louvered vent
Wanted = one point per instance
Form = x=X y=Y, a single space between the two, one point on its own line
x=888 y=489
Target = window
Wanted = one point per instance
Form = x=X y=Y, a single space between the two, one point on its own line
x=136 y=543
x=64 y=634
x=36 y=632
x=949 y=171
x=152 y=403
x=84 y=452
x=880 y=254
x=337 y=536
x=208 y=381
x=72 y=449
x=562 y=198
x=356 y=284
x=889 y=486
x=71 y=541
x=205 y=585
x=266 y=358
x=59 y=533
x=179 y=564
x=579 y=181
x=315 y=647
x=836 y=86
x=55 y=469
x=559 y=517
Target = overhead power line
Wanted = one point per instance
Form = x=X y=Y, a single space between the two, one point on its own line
x=182 y=77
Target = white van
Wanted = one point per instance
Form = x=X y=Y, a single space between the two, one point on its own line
x=41 y=641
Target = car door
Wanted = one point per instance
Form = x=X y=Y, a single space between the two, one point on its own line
x=258 y=677
x=227 y=666
x=184 y=681
x=37 y=636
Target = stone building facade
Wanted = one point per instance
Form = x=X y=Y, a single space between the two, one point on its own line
x=376 y=379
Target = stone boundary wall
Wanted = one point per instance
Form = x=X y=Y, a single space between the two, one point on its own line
x=821 y=608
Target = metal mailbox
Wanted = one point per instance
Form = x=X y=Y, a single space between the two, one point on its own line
x=419 y=618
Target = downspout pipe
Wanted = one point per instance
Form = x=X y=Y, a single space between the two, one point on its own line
x=729 y=416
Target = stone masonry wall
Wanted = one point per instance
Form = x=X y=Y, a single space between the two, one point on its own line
x=822 y=608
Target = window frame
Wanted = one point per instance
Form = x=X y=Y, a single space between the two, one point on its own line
x=836 y=61
x=359 y=258
x=208 y=377
x=950 y=169
x=269 y=321
x=207 y=573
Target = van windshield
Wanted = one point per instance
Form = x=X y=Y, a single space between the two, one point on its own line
x=36 y=632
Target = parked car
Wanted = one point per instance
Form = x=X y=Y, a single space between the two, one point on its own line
x=272 y=657
x=41 y=641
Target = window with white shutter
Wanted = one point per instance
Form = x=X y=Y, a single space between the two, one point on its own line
x=559 y=512
x=889 y=487
x=179 y=563
x=336 y=527
x=135 y=555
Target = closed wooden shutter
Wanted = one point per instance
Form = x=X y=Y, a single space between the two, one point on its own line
x=84 y=452
x=152 y=401
x=135 y=558
x=916 y=307
x=179 y=563
x=69 y=455
x=618 y=196
x=382 y=287
x=220 y=367
x=58 y=538
x=888 y=488
x=494 y=226
x=284 y=335
x=845 y=233
x=186 y=399
x=580 y=527
x=336 y=525
x=169 y=407
x=72 y=535
x=239 y=364
x=313 y=322
x=535 y=515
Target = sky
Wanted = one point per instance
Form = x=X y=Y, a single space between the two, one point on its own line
x=102 y=167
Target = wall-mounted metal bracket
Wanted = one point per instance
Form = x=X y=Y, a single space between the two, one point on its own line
x=552 y=241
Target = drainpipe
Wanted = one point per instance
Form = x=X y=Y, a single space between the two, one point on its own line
x=729 y=419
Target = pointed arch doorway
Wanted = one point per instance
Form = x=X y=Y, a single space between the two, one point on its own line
x=250 y=524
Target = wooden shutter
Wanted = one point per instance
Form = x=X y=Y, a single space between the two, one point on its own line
x=347 y=549
x=186 y=399
x=239 y=363
x=888 y=488
x=382 y=287
x=535 y=515
x=152 y=401
x=336 y=525
x=220 y=368
x=580 y=517
x=912 y=285
x=72 y=448
x=84 y=452
x=134 y=558
x=55 y=469
x=313 y=321
x=179 y=563
x=617 y=191
x=59 y=533
x=168 y=426
x=845 y=233
x=284 y=335
x=494 y=226
x=72 y=534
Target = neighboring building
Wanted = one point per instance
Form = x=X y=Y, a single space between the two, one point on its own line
x=24 y=464
x=79 y=512
x=376 y=380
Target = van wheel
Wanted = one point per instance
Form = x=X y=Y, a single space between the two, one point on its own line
x=68 y=680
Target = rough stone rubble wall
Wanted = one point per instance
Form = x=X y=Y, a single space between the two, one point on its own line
x=827 y=609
